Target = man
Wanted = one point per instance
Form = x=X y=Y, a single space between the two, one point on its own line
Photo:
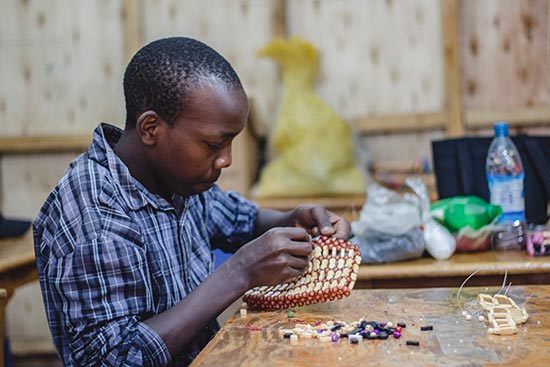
x=123 y=242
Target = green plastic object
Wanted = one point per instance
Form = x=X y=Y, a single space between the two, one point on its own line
x=460 y=211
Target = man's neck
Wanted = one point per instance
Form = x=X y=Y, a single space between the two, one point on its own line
x=130 y=151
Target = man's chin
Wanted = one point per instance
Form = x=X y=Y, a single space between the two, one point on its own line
x=202 y=187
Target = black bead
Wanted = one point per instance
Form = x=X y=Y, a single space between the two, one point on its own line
x=413 y=342
x=425 y=328
x=336 y=327
x=287 y=335
x=402 y=324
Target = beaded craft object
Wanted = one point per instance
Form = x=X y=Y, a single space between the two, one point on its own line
x=330 y=274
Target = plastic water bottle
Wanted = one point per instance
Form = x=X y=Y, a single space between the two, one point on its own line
x=505 y=178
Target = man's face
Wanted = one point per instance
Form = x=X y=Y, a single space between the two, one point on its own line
x=190 y=155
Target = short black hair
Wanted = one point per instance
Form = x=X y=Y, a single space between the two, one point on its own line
x=161 y=75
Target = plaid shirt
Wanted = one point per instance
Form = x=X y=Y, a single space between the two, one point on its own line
x=110 y=254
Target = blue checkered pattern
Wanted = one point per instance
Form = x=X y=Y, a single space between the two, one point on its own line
x=110 y=254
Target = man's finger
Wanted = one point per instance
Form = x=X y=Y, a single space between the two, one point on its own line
x=322 y=219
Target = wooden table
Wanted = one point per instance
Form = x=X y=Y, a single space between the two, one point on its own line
x=17 y=267
x=428 y=272
x=453 y=341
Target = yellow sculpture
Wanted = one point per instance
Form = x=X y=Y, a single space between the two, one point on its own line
x=313 y=147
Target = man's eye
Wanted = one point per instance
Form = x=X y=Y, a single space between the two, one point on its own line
x=214 y=145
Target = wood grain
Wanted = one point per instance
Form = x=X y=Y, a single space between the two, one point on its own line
x=427 y=272
x=453 y=342
x=505 y=53
x=451 y=33
x=17 y=262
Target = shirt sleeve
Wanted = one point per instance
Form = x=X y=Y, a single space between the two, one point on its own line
x=102 y=290
x=231 y=219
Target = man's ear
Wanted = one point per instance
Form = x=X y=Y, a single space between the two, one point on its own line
x=148 y=125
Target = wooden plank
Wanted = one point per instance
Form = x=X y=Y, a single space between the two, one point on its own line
x=43 y=144
x=505 y=54
x=61 y=66
x=453 y=95
x=348 y=207
x=376 y=57
x=460 y=266
x=132 y=18
x=278 y=20
x=399 y=123
x=3 y=301
x=453 y=341
x=477 y=118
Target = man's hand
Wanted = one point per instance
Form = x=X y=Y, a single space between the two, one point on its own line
x=275 y=257
x=316 y=220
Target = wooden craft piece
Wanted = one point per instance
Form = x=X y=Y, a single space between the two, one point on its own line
x=503 y=313
x=330 y=274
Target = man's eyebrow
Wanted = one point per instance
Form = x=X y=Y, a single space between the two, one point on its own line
x=227 y=134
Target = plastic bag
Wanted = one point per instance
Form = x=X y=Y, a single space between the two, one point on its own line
x=313 y=147
x=439 y=242
x=388 y=228
x=378 y=247
x=471 y=240
x=388 y=211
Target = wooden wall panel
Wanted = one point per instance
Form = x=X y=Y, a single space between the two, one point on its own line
x=377 y=57
x=26 y=181
x=236 y=29
x=61 y=66
x=400 y=148
x=506 y=54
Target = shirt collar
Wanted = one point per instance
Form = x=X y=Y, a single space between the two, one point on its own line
x=132 y=191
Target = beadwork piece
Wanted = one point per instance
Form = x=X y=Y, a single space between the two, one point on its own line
x=330 y=274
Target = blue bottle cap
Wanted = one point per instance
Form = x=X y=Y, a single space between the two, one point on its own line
x=501 y=129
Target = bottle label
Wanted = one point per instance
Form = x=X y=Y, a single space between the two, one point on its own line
x=507 y=191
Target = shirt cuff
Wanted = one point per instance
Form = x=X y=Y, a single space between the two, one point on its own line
x=158 y=350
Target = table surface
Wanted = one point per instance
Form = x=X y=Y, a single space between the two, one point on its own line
x=454 y=341
x=17 y=261
x=460 y=264
x=16 y=251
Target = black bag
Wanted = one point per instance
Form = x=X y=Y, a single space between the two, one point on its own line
x=459 y=166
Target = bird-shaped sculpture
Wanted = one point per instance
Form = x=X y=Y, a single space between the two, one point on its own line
x=312 y=145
